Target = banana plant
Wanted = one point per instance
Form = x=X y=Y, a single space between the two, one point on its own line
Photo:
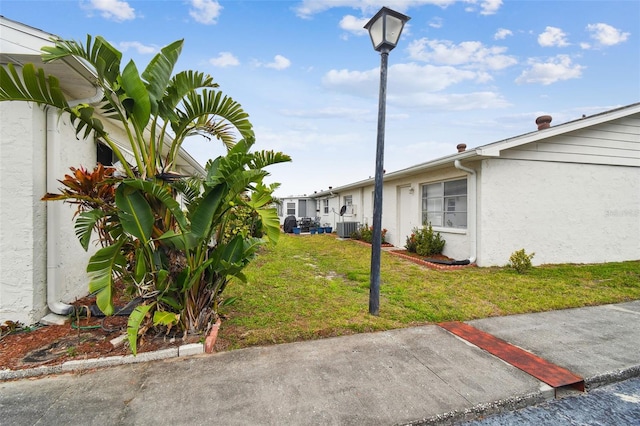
x=156 y=109
x=178 y=261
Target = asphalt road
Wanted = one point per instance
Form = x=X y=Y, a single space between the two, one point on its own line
x=616 y=404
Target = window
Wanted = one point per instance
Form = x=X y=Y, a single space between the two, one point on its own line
x=348 y=200
x=291 y=209
x=104 y=155
x=444 y=204
x=325 y=206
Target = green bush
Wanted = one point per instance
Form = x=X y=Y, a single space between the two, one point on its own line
x=520 y=261
x=425 y=242
x=365 y=233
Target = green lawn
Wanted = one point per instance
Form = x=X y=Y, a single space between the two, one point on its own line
x=309 y=287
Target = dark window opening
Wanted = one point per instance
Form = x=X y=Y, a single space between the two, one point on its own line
x=104 y=155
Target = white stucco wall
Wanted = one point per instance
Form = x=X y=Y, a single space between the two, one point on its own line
x=564 y=212
x=72 y=260
x=23 y=217
x=457 y=240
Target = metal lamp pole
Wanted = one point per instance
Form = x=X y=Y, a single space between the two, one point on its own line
x=385 y=29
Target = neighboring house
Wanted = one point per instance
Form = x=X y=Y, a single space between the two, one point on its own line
x=299 y=206
x=325 y=207
x=570 y=193
x=41 y=262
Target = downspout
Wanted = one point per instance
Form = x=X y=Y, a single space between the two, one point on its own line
x=472 y=200
x=53 y=147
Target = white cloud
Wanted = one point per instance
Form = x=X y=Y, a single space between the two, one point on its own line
x=279 y=63
x=224 y=59
x=353 y=25
x=606 y=35
x=502 y=33
x=343 y=113
x=435 y=22
x=472 y=53
x=453 y=101
x=137 y=46
x=307 y=8
x=490 y=7
x=116 y=10
x=205 y=11
x=552 y=36
x=413 y=85
x=554 y=70
x=359 y=83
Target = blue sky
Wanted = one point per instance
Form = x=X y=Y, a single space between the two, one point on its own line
x=470 y=71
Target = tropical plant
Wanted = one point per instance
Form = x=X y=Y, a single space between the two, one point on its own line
x=177 y=261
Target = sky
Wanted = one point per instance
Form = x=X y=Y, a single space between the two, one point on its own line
x=464 y=71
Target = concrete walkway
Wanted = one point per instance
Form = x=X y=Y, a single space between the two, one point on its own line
x=421 y=375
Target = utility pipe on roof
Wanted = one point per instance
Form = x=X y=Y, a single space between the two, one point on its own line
x=472 y=209
x=53 y=147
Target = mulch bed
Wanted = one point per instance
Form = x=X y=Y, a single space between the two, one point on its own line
x=420 y=260
x=415 y=258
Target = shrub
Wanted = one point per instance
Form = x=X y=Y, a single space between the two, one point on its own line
x=520 y=261
x=425 y=242
x=365 y=233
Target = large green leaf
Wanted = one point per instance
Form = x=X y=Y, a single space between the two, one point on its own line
x=137 y=103
x=179 y=241
x=203 y=217
x=181 y=84
x=133 y=325
x=163 y=193
x=263 y=159
x=215 y=106
x=103 y=265
x=31 y=86
x=270 y=224
x=158 y=72
x=85 y=223
x=98 y=53
x=135 y=213
x=165 y=318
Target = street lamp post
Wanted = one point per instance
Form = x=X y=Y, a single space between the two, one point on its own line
x=385 y=29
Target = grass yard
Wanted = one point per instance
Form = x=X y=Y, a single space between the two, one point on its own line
x=308 y=287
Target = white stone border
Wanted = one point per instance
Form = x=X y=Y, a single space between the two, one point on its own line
x=88 y=364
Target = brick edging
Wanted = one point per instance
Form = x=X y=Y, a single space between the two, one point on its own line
x=421 y=262
x=431 y=265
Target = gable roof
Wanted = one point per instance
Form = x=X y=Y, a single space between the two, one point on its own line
x=494 y=149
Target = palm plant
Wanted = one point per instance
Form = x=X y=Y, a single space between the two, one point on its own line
x=178 y=262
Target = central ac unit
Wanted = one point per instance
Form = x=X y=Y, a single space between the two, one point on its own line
x=345 y=229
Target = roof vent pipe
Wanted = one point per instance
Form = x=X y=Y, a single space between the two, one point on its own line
x=461 y=147
x=543 y=122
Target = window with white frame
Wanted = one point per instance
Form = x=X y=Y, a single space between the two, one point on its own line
x=348 y=200
x=444 y=204
x=325 y=206
x=291 y=209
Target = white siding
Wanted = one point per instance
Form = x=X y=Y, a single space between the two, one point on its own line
x=578 y=213
x=615 y=143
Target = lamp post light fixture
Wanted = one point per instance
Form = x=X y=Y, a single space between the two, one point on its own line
x=385 y=29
